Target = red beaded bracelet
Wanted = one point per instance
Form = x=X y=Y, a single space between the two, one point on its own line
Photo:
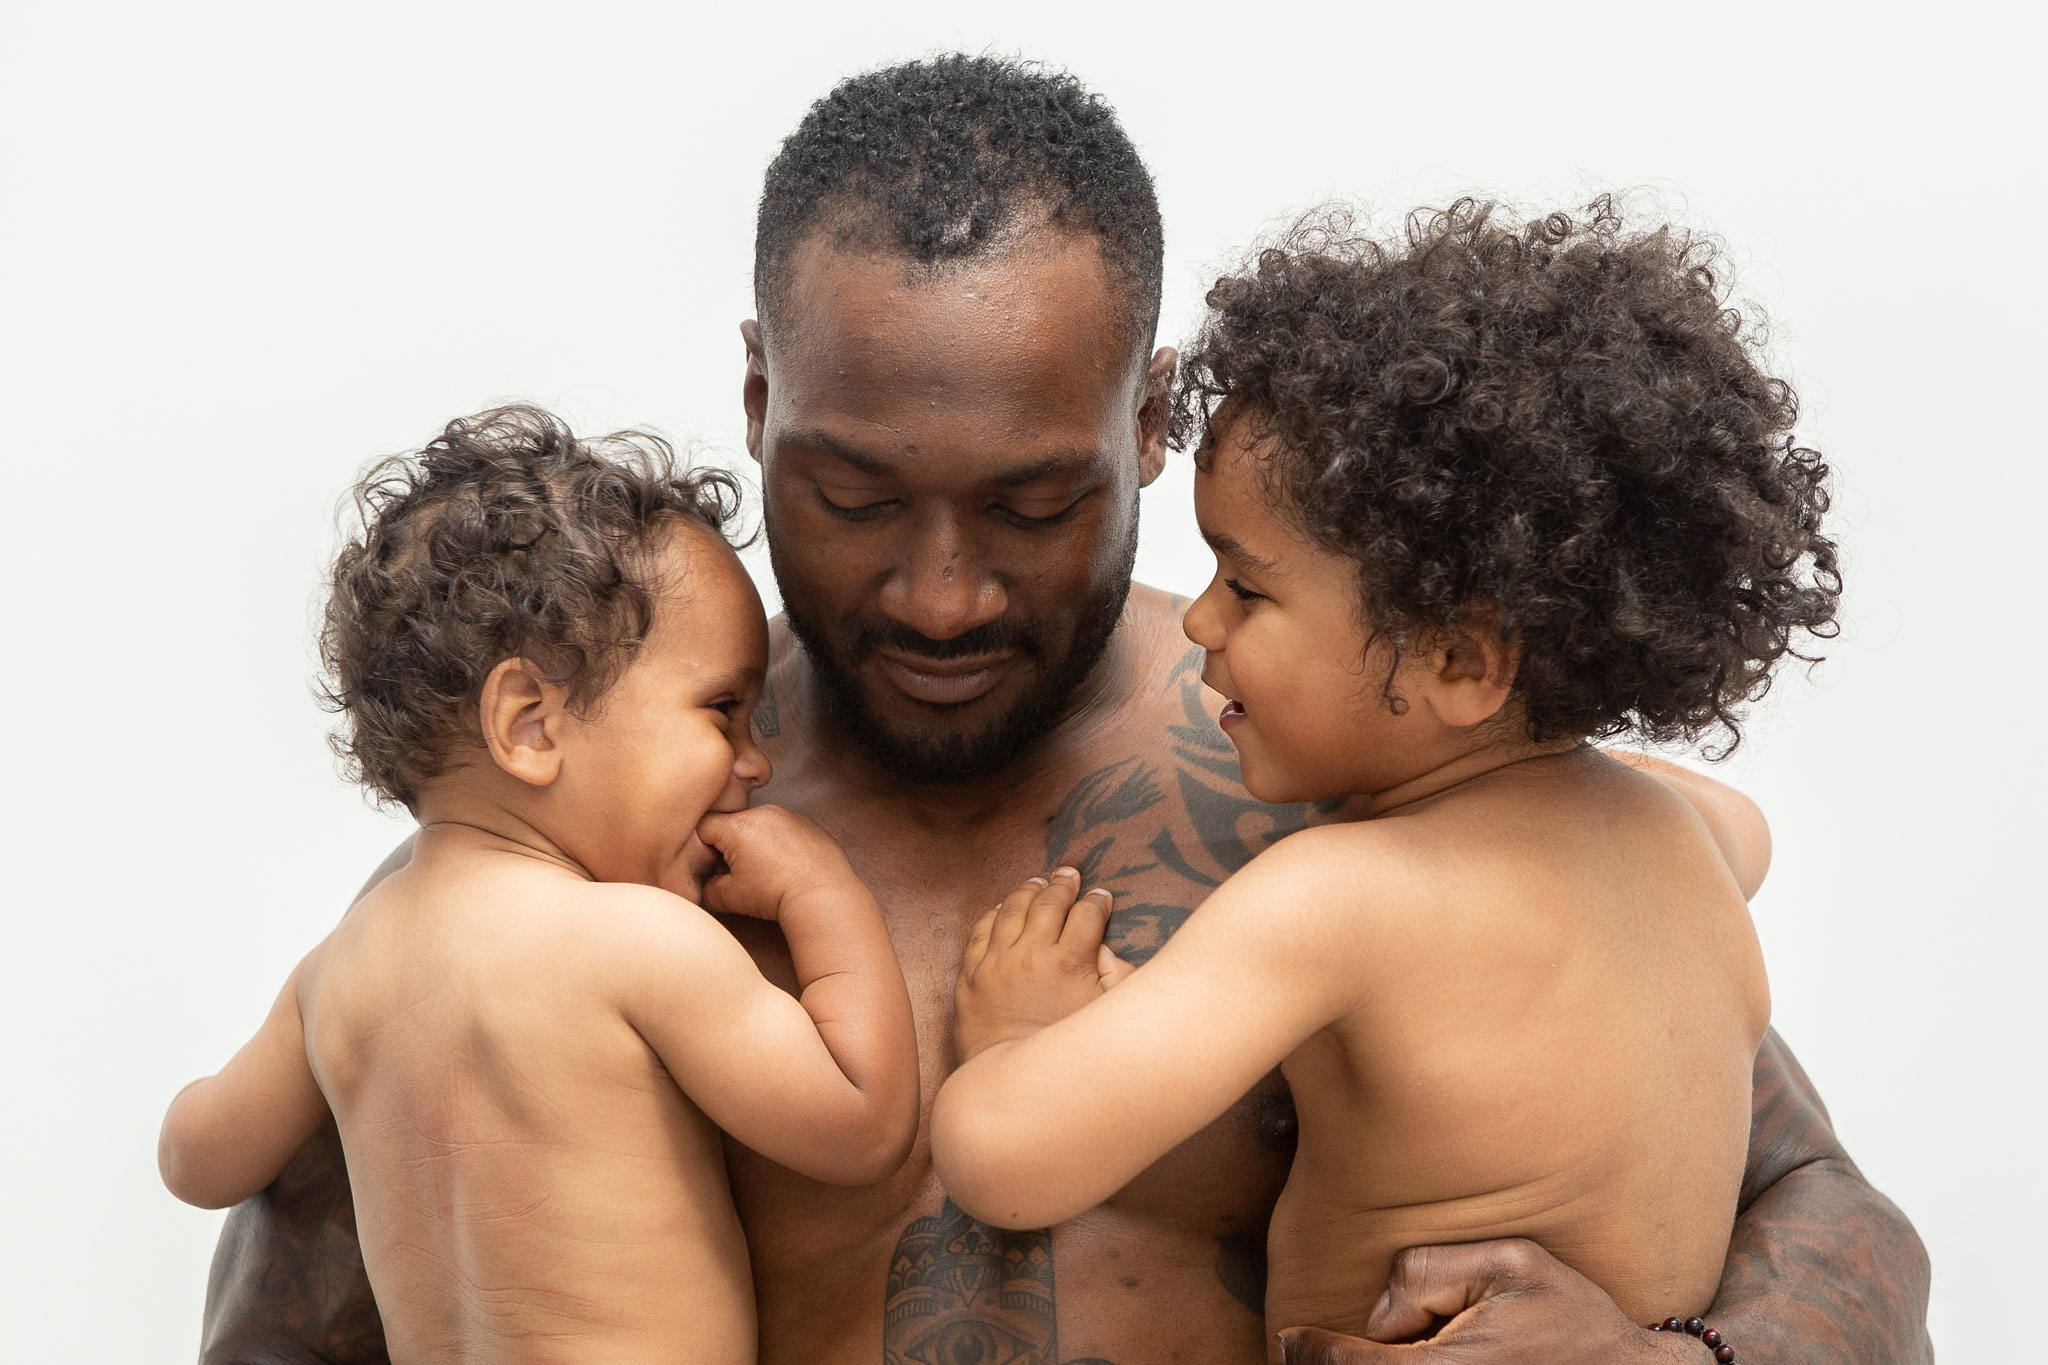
x=1709 y=1338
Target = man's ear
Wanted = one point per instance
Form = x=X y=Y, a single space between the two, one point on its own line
x=754 y=389
x=1472 y=669
x=1155 y=413
x=522 y=714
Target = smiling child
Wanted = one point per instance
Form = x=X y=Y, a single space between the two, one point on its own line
x=531 y=1034
x=1479 y=495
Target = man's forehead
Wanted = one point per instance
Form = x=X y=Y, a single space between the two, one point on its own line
x=1049 y=290
x=892 y=454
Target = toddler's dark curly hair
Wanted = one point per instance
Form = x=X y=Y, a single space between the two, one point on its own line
x=506 y=537
x=1562 y=419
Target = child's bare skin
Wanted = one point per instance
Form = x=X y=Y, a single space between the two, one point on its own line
x=1514 y=988
x=530 y=1036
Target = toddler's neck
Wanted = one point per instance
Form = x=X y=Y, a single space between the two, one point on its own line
x=1455 y=771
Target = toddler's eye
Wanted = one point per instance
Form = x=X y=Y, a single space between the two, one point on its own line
x=1241 y=592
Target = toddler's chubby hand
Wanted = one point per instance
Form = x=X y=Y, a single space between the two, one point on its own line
x=1033 y=960
x=773 y=858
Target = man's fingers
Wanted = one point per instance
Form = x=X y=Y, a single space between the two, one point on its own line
x=1047 y=914
x=1009 y=922
x=1109 y=968
x=1087 y=921
x=1315 y=1346
x=1428 y=1283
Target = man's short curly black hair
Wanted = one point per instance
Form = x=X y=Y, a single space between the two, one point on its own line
x=1561 y=418
x=506 y=537
x=939 y=160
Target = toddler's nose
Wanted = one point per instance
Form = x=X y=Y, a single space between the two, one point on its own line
x=750 y=766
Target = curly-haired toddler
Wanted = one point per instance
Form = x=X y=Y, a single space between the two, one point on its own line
x=530 y=1034
x=1479 y=495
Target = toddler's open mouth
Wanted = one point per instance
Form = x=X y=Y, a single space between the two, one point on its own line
x=1232 y=712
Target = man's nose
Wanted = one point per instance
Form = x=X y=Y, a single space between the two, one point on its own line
x=941 y=588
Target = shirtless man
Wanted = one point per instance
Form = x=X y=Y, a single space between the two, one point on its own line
x=954 y=398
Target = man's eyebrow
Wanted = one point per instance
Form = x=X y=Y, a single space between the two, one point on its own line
x=1224 y=545
x=1048 y=466
x=814 y=439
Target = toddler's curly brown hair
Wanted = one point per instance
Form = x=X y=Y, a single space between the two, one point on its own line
x=505 y=537
x=1561 y=419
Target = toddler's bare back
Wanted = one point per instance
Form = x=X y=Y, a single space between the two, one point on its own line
x=1560 y=1048
x=530 y=1184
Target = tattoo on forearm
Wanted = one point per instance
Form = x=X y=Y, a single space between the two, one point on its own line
x=287 y=1282
x=1823 y=1268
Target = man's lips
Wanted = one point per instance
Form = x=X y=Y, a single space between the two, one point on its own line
x=943 y=682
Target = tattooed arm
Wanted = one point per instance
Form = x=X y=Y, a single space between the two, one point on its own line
x=288 y=1286
x=1824 y=1270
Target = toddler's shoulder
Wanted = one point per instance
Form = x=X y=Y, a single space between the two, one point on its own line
x=1352 y=878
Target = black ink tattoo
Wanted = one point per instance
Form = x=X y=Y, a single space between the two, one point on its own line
x=1823 y=1268
x=767 y=718
x=288 y=1286
x=964 y=1293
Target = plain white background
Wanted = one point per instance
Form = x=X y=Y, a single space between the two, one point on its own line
x=244 y=248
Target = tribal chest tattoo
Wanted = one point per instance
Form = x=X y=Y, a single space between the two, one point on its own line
x=1162 y=831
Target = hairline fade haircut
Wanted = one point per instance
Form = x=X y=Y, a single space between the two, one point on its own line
x=954 y=159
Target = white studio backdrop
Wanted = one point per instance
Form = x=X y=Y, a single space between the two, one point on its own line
x=244 y=248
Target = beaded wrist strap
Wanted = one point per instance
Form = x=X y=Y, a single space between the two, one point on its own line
x=1709 y=1338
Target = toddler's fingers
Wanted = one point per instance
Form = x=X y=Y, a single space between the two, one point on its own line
x=1087 y=921
x=977 y=942
x=716 y=828
x=1109 y=968
x=1009 y=925
x=1048 y=912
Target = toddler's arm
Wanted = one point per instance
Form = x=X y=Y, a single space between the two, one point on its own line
x=1041 y=1123
x=826 y=1082
x=1733 y=819
x=227 y=1137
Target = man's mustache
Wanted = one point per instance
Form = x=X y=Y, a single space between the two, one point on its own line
x=997 y=637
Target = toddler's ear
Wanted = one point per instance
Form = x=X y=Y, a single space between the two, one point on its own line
x=1473 y=669
x=522 y=714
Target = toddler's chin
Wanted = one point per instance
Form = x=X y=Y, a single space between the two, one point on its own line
x=1275 y=786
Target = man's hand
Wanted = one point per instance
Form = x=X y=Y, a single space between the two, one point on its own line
x=1505 y=1301
x=772 y=856
x=1032 y=960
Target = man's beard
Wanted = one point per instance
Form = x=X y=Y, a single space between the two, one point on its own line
x=953 y=755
